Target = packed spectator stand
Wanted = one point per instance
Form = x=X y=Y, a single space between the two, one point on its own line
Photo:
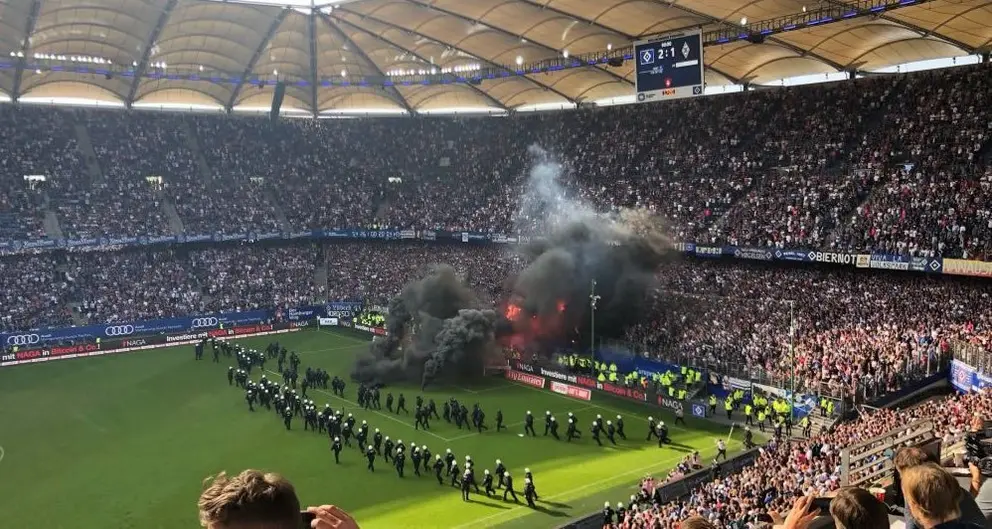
x=895 y=164
x=786 y=470
x=892 y=163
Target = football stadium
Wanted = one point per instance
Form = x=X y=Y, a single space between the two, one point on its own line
x=615 y=264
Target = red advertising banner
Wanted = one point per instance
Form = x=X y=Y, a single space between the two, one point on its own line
x=530 y=380
x=80 y=349
x=571 y=391
x=623 y=391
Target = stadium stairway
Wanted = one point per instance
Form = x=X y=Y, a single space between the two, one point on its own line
x=171 y=215
x=320 y=275
x=85 y=147
x=985 y=152
x=53 y=230
x=201 y=162
x=280 y=215
x=77 y=316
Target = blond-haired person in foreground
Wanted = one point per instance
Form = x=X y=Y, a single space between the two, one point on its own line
x=257 y=500
x=932 y=496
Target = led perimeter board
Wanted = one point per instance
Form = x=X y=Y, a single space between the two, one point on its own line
x=669 y=66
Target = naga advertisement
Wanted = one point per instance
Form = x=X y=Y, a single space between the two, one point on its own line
x=585 y=381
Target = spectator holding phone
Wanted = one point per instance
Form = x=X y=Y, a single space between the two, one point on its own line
x=257 y=500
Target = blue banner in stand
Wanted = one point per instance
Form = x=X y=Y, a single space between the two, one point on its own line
x=708 y=251
x=791 y=255
x=876 y=260
x=755 y=254
x=966 y=378
x=137 y=328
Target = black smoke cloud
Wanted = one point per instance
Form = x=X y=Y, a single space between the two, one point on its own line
x=618 y=250
x=437 y=326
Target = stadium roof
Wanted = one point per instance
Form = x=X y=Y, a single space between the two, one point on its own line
x=339 y=56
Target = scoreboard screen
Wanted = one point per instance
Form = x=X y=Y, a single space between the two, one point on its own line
x=669 y=67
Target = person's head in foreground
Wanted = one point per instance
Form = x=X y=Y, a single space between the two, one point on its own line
x=259 y=500
x=932 y=496
x=854 y=508
x=696 y=522
x=250 y=500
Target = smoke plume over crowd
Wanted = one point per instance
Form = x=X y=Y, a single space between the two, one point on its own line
x=577 y=258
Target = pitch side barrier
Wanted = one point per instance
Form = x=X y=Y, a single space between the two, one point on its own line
x=124 y=345
x=582 y=386
x=677 y=489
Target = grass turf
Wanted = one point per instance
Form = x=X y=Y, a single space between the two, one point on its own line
x=124 y=441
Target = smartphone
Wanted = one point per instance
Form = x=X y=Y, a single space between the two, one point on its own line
x=821 y=506
x=306 y=519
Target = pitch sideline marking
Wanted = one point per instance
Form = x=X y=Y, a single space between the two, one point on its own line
x=376 y=412
x=648 y=469
x=342 y=336
x=2 y=453
x=343 y=347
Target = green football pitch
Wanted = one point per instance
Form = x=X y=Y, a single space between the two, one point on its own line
x=124 y=441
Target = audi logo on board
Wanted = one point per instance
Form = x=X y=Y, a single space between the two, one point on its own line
x=204 y=322
x=119 y=330
x=23 y=339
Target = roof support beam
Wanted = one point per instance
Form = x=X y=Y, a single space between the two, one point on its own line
x=512 y=35
x=139 y=72
x=807 y=53
x=312 y=38
x=882 y=45
x=461 y=50
x=276 y=22
x=25 y=48
x=766 y=63
x=922 y=31
x=546 y=7
x=361 y=53
x=388 y=42
x=728 y=76
x=789 y=46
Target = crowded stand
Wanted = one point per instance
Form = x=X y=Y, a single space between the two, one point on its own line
x=130 y=286
x=21 y=208
x=853 y=328
x=252 y=277
x=368 y=271
x=32 y=294
x=37 y=143
x=932 y=198
x=868 y=331
x=893 y=164
x=223 y=205
x=133 y=148
x=790 y=167
x=787 y=470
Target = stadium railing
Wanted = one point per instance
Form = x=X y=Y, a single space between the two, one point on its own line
x=678 y=489
x=870 y=461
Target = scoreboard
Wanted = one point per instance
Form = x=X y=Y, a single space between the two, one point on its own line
x=669 y=67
